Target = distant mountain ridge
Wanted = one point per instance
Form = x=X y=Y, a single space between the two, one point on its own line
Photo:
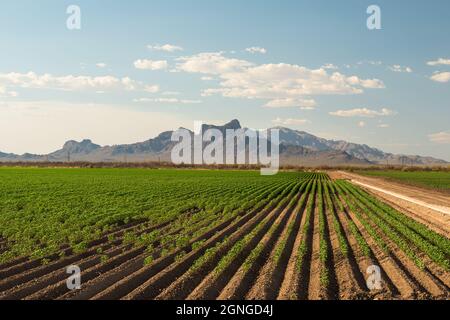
x=296 y=148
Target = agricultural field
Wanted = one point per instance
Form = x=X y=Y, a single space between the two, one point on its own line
x=438 y=180
x=208 y=234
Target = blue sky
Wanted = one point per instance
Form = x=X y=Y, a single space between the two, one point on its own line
x=141 y=67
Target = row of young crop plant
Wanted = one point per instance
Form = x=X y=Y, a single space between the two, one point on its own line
x=58 y=214
x=229 y=249
x=304 y=250
x=360 y=241
x=96 y=226
x=256 y=200
x=280 y=201
x=183 y=230
x=208 y=221
x=219 y=254
x=324 y=248
x=26 y=244
x=343 y=244
x=438 y=240
x=406 y=238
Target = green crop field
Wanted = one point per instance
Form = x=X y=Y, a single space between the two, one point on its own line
x=439 y=180
x=209 y=234
x=44 y=208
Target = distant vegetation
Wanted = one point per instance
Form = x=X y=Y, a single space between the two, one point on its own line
x=431 y=179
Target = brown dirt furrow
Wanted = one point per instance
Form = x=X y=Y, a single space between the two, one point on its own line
x=136 y=278
x=117 y=258
x=25 y=271
x=357 y=261
x=113 y=275
x=12 y=263
x=302 y=277
x=392 y=275
x=439 y=275
x=105 y=280
x=291 y=277
x=314 y=287
x=186 y=281
x=270 y=277
x=45 y=282
x=23 y=264
x=212 y=285
x=422 y=282
x=349 y=287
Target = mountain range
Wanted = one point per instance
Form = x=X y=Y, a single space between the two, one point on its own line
x=296 y=148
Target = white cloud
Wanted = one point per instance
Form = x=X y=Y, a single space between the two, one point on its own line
x=206 y=78
x=440 y=61
x=365 y=83
x=145 y=64
x=383 y=125
x=440 y=137
x=211 y=63
x=168 y=100
x=165 y=47
x=101 y=65
x=70 y=82
x=254 y=50
x=243 y=79
x=441 y=77
x=398 y=68
x=290 y=122
x=363 y=112
x=361 y=124
x=330 y=66
x=305 y=104
x=151 y=89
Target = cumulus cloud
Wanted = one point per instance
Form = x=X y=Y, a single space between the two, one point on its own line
x=145 y=64
x=290 y=122
x=254 y=50
x=168 y=100
x=274 y=82
x=399 y=68
x=440 y=137
x=363 y=112
x=165 y=47
x=330 y=66
x=151 y=88
x=101 y=65
x=440 y=61
x=211 y=63
x=206 y=78
x=441 y=77
x=305 y=104
x=72 y=83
